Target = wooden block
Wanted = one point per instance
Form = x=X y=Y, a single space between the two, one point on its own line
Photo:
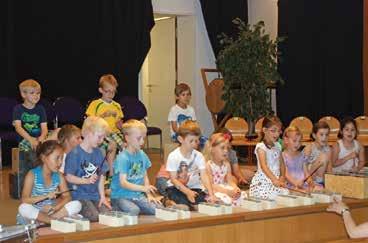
x=83 y=224
x=226 y=208
x=305 y=200
x=268 y=204
x=15 y=160
x=252 y=204
x=287 y=200
x=63 y=225
x=113 y=219
x=210 y=209
x=166 y=214
x=184 y=214
x=326 y=197
x=347 y=185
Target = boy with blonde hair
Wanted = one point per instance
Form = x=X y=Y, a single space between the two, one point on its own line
x=130 y=188
x=187 y=169
x=30 y=122
x=106 y=108
x=85 y=167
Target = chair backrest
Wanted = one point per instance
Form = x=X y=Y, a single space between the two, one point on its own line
x=362 y=124
x=334 y=125
x=6 y=112
x=50 y=112
x=68 y=110
x=237 y=126
x=132 y=108
x=304 y=124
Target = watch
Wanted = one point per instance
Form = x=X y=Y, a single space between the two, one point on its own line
x=344 y=210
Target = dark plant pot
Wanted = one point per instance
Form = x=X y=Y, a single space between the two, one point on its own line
x=251 y=134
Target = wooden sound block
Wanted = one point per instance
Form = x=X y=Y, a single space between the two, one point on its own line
x=226 y=208
x=354 y=186
x=83 y=224
x=63 y=225
x=166 y=214
x=252 y=204
x=210 y=209
x=113 y=219
x=268 y=204
x=287 y=200
x=184 y=214
x=305 y=200
x=326 y=197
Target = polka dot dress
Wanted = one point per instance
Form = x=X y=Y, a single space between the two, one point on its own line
x=261 y=186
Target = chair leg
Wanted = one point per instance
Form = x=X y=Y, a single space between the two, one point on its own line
x=161 y=152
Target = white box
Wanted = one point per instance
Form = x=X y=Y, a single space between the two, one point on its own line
x=183 y=214
x=166 y=214
x=268 y=204
x=63 y=225
x=83 y=224
x=113 y=219
x=226 y=208
x=326 y=197
x=252 y=204
x=210 y=209
x=287 y=200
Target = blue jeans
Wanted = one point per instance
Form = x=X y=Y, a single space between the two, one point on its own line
x=161 y=185
x=180 y=198
x=133 y=206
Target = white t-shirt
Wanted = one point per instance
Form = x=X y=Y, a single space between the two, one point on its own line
x=188 y=170
x=179 y=115
x=61 y=170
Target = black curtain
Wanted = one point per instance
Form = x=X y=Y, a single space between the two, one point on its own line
x=321 y=58
x=68 y=45
x=218 y=16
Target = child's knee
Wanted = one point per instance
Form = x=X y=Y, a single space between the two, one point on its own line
x=73 y=207
x=28 y=211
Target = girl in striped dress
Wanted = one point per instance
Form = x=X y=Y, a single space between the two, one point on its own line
x=43 y=184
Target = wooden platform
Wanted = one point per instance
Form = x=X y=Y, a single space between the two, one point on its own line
x=297 y=224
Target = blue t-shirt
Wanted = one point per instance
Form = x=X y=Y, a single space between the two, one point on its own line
x=39 y=188
x=82 y=164
x=135 y=167
x=31 y=119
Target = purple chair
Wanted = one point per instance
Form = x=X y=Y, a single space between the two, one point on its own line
x=133 y=108
x=50 y=112
x=68 y=111
x=8 y=136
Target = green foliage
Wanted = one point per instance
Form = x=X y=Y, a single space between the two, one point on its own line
x=248 y=65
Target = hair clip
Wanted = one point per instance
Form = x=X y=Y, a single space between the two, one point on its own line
x=227 y=136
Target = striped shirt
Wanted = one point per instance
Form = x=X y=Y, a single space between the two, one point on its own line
x=39 y=188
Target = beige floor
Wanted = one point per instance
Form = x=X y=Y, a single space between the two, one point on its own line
x=9 y=206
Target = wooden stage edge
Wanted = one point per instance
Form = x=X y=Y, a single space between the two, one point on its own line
x=292 y=224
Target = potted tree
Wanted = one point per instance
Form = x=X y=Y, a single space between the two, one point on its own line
x=249 y=66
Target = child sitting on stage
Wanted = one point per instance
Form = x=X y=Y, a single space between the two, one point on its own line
x=111 y=111
x=319 y=153
x=297 y=175
x=347 y=153
x=269 y=179
x=130 y=188
x=243 y=176
x=43 y=184
x=85 y=167
x=187 y=169
x=69 y=136
x=219 y=170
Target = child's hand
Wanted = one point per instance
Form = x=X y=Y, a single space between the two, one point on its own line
x=299 y=184
x=353 y=155
x=112 y=146
x=191 y=195
x=237 y=193
x=213 y=199
x=52 y=195
x=92 y=179
x=242 y=181
x=34 y=143
x=149 y=189
x=153 y=199
x=103 y=201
